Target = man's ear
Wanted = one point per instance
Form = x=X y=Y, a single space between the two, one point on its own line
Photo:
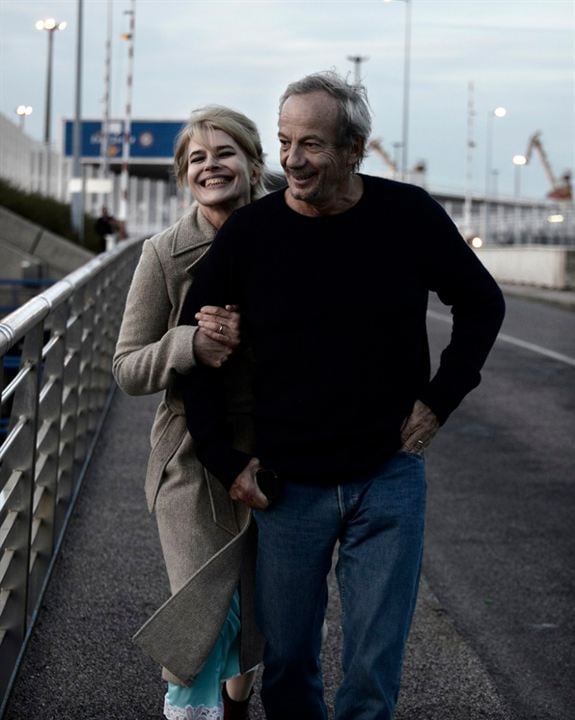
x=356 y=151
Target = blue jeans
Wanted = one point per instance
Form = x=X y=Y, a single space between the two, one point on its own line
x=379 y=523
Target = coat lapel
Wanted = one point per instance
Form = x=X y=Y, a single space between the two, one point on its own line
x=192 y=233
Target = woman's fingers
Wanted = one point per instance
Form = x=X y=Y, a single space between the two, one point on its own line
x=222 y=322
x=221 y=338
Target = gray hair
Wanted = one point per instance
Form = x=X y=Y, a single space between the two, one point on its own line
x=353 y=107
x=237 y=125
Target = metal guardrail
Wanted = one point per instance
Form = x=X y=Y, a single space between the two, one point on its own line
x=56 y=403
x=15 y=292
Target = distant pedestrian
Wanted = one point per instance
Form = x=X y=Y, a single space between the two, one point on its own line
x=106 y=227
x=332 y=276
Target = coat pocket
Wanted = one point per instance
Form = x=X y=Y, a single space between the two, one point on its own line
x=223 y=511
x=164 y=448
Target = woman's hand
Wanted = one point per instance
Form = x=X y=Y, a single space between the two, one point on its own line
x=218 y=336
x=221 y=324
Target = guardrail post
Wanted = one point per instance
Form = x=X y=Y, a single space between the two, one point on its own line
x=17 y=470
x=48 y=454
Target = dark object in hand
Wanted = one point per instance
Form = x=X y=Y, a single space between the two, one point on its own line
x=269 y=483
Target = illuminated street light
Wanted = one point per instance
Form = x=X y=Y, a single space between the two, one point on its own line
x=50 y=25
x=518 y=161
x=477 y=242
x=498 y=112
x=557 y=218
x=406 y=65
x=23 y=111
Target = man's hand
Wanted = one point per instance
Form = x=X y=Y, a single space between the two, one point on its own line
x=418 y=429
x=245 y=487
x=218 y=335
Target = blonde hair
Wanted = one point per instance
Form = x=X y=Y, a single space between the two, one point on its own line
x=239 y=127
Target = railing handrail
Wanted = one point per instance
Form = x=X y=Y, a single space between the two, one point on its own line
x=14 y=326
x=57 y=400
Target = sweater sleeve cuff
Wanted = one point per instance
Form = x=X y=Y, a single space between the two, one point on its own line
x=224 y=463
x=443 y=396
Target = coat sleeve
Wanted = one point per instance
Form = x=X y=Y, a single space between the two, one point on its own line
x=459 y=278
x=148 y=353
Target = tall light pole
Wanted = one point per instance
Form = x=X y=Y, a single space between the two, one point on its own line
x=51 y=26
x=406 y=79
x=467 y=207
x=498 y=112
x=77 y=200
x=105 y=133
x=23 y=111
x=357 y=60
x=518 y=161
x=124 y=177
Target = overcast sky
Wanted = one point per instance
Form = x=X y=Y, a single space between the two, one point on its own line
x=242 y=53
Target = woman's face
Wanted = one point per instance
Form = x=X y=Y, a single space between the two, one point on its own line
x=219 y=173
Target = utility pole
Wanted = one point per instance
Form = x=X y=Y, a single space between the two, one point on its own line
x=105 y=132
x=77 y=199
x=467 y=207
x=124 y=178
x=357 y=60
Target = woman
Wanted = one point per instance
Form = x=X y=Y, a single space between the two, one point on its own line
x=220 y=156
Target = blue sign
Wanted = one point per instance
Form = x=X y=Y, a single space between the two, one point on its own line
x=149 y=139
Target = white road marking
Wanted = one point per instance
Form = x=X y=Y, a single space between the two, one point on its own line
x=515 y=341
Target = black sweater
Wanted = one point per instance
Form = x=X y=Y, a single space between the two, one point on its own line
x=334 y=308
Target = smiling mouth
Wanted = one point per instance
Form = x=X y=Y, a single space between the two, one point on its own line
x=216 y=182
x=300 y=178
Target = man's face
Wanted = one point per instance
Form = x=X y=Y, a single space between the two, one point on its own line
x=316 y=166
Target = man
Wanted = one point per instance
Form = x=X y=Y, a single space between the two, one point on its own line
x=105 y=226
x=332 y=276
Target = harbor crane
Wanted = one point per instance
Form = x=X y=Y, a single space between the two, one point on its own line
x=376 y=144
x=560 y=188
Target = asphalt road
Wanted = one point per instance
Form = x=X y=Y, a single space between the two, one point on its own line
x=493 y=632
x=501 y=524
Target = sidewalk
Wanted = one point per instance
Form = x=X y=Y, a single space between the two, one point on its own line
x=109 y=578
x=561 y=298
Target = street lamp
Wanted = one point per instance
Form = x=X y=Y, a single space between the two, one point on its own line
x=406 y=66
x=51 y=26
x=498 y=112
x=518 y=161
x=23 y=111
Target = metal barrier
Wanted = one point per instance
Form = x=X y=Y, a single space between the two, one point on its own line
x=57 y=402
x=14 y=293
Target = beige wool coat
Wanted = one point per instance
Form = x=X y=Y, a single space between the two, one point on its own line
x=206 y=537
